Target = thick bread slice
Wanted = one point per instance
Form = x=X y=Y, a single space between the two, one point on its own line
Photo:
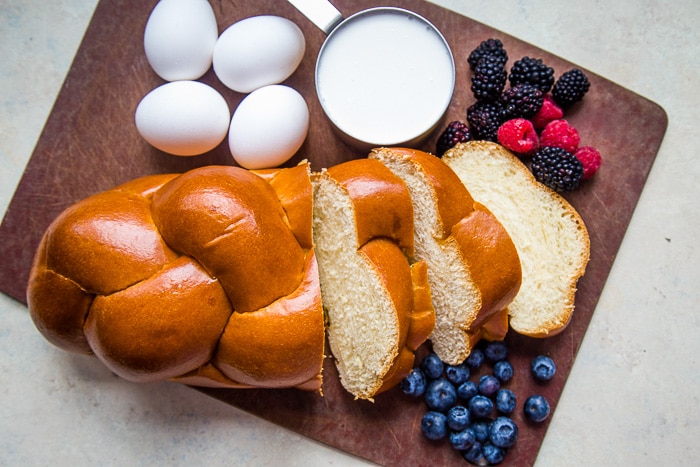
x=375 y=302
x=550 y=236
x=473 y=267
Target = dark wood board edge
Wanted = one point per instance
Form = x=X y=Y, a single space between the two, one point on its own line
x=630 y=128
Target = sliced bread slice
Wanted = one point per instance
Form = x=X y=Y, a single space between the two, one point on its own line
x=473 y=267
x=375 y=300
x=549 y=234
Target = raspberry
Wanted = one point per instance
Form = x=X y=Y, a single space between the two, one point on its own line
x=519 y=136
x=590 y=159
x=456 y=132
x=557 y=168
x=559 y=134
x=548 y=112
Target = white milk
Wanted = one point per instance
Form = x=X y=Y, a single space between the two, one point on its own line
x=385 y=76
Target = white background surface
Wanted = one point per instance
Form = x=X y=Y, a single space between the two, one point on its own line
x=632 y=397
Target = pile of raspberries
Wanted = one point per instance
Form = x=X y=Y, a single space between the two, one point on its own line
x=526 y=117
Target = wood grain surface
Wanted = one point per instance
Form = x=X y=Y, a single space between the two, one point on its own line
x=90 y=143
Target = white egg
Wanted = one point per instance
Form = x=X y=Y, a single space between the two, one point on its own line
x=268 y=127
x=258 y=51
x=184 y=118
x=179 y=39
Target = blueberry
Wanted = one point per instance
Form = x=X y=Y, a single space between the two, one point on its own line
x=462 y=440
x=496 y=351
x=475 y=359
x=543 y=368
x=458 y=418
x=481 y=430
x=414 y=383
x=493 y=454
x=503 y=370
x=503 y=432
x=440 y=395
x=434 y=425
x=489 y=385
x=457 y=373
x=480 y=406
x=505 y=401
x=536 y=408
x=467 y=390
x=474 y=454
x=432 y=366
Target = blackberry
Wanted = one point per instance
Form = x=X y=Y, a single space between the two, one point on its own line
x=570 y=87
x=489 y=79
x=490 y=47
x=456 y=132
x=484 y=119
x=557 y=168
x=522 y=101
x=532 y=71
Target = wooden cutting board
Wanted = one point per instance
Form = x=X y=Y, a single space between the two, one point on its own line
x=90 y=144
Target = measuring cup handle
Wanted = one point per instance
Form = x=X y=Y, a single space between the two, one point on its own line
x=320 y=12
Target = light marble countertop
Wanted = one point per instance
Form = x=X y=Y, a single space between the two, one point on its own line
x=630 y=399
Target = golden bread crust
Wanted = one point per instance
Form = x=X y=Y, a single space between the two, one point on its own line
x=469 y=235
x=493 y=261
x=149 y=275
x=380 y=199
x=528 y=209
x=215 y=214
x=277 y=346
x=383 y=223
x=159 y=328
x=453 y=201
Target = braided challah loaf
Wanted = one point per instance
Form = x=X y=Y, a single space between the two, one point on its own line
x=208 y=278
x=226 y=277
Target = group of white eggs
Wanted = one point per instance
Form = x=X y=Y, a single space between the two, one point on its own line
x=186 y=117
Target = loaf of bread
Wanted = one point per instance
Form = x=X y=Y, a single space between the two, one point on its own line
x=225 y=277
x=549 y=235
x=473 y=267
x=208 y=278
x=377 y=303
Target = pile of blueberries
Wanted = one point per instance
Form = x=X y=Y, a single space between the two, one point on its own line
x=475 y=415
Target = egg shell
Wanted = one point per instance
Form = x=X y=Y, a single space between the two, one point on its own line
x=258 y=51
x=183 y=118
x=179 y=39
x=268 y=127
